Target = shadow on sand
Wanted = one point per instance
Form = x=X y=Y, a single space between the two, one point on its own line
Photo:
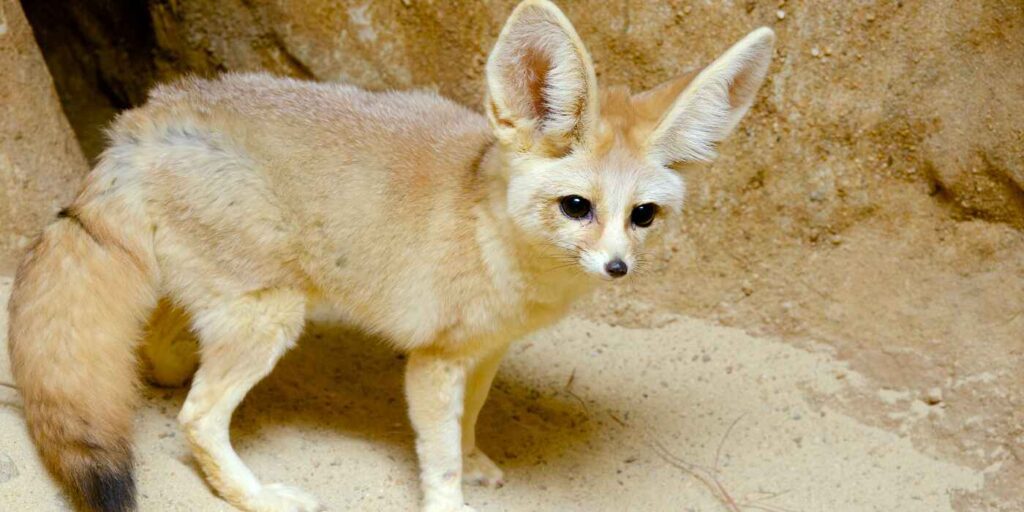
x=345 y=382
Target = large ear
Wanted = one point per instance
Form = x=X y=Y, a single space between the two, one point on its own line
x=542 y=93
x=712 y=104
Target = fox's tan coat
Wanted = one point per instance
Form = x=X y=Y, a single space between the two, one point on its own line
x=251 y=202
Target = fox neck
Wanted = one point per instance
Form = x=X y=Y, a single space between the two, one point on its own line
x=524 y=264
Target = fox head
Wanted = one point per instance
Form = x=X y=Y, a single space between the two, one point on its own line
x=591 y=173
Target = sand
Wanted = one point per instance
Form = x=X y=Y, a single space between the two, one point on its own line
x=583 y=416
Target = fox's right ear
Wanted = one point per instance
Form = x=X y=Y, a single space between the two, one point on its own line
x=542 y=93
x=711 y=105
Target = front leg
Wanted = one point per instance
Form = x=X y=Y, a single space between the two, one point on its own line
x=477 y=467
x=435 y=386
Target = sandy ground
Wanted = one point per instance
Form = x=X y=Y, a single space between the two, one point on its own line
x=584 y=416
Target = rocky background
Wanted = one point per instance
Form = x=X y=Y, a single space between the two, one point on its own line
x=871 y=205
x=40 y=160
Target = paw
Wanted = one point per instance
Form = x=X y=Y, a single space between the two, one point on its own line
x=448 y=508
x=479 y=469
x=282 y=498
x=172 y=374
x=171 y=364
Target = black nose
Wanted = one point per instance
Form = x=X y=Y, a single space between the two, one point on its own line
x=616 y=268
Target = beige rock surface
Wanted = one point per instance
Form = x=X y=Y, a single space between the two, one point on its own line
x=40 y=161
x=862 y=94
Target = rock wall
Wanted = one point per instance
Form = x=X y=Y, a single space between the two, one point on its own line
x=860 y=94
x=40 y=161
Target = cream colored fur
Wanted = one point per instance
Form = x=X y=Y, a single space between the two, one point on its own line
x=250 y=203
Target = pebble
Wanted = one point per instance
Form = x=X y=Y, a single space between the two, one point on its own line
x=747 y=288
x=8 y=470
x=933 y=396
x=780 y=14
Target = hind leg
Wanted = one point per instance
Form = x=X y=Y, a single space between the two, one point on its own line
x=169 y=349
x=241 y=342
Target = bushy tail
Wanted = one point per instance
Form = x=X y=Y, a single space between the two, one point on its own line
x=78 y=308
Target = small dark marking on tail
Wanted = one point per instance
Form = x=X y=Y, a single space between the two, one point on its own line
x=105 y=489
x=69 y=214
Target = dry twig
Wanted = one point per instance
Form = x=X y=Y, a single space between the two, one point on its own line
x=568 y=391
x=709 y=476
x=718 y=452
x=702 y=474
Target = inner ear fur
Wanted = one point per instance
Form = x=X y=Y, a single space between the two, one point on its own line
x=708 y=107
x=542 y=92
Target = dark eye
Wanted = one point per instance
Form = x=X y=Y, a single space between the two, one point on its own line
x=575 y=207
x=643 y=215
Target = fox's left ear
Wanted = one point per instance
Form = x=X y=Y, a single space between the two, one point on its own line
x=542 y=93
x=712 y=104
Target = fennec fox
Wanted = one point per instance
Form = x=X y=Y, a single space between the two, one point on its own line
x=249 y=201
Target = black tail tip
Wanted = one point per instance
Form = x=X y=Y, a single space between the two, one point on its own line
x=105 y=489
